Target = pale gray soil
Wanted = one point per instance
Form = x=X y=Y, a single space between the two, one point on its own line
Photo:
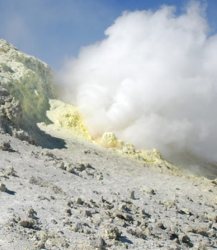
x=86 y=197
x=82 y=196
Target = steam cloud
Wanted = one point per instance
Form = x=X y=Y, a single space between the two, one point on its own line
x=152 y=81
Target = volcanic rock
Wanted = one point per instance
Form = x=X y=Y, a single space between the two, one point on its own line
x=79 y=195
x=27 y=79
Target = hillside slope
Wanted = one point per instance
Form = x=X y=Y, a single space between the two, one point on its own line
x=68 y=192
x=86 y=197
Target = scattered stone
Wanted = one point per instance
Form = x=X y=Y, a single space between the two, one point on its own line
x=57 y=190
x=87 y=151
x=32 y=214
x=36 y=181
x=124 y=207
x=107 y=204
x=112 y=233
x=125 y=217
x=94 y=203
x=11 y=172
x=99 y=176
x=6 y=146
x=6 y=173
x=185 y=211
x=61 y=165
x=50 y=240
x=69 y=212
x=87 y=213
x=27 y=224
x=187 y=240
x=3 y=187
x=81 y=167
x=80 y=201
x=161 y=226
x=148 y=190
x=101 y=244
x=173 y=236
x=119 y=216
x=137 y=233
x=210 y=217
x=81 y=228
x=168 y=204
x=70 y=168
x=145 y=214
x=204 y=231
x=40 y=245
x=42 y=198
x=49 y=154
x=132 y=195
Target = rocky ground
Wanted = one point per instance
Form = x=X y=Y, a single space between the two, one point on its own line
x=82 y=196
x=71 y=194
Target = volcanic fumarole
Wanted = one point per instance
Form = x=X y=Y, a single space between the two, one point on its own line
x=152 y=81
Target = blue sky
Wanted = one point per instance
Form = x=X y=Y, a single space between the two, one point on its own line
x=54 y=30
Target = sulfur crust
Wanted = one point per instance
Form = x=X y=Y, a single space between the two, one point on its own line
x=66 y=116
x=28 y=80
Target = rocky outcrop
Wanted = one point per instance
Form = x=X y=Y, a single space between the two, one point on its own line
x=11 y=116
x=25 y=88
x=10 y=111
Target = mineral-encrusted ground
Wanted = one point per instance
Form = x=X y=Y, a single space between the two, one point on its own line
x=71 y=194
x=86 y=197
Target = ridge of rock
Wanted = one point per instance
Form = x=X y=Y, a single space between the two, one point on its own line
x=27 y=80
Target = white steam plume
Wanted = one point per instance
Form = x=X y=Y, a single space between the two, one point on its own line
x=152 y=81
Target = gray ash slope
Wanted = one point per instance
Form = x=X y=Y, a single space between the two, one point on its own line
x=85 y=197
x=76 y=195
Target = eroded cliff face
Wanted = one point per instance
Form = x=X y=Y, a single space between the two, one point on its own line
x=28 y=82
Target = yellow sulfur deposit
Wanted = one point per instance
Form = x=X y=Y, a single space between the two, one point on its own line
x=68 y=117
x=151 y=157
x=109 y=140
